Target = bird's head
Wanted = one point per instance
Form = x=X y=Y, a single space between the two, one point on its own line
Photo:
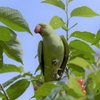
x=43 y=29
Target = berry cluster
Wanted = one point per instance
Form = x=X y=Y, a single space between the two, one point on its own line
x=80 y=81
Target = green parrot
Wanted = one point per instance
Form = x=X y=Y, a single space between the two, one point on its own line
x=53 y=52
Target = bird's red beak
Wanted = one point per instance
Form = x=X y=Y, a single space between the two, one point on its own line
x=37 y=29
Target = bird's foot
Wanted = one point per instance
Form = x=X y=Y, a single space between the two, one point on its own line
x=56 y=76
x=55 y=62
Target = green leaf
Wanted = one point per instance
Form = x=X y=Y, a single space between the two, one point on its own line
x=1 y=95
x=1 y=57
x=53 y=94
x=7 y=83
x=13 y=48
x=97 y=37
x=83 y=11
x=98 y=62
x=75 y=86
x=10 y=68
x=82 y=46
x=56 y=22
x=70 y=1
x=5 y=34
x=66 y=98
x=87 y=36
x=37 y=69
x=87 y=56
x=57 y=3
x=80 y=62
x=45 y=89
x=13 y=19
x=17 y=89
x=89 y=93
x=77 y=70
x=97 y=97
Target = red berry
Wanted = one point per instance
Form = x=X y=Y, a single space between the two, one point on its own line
x=84 y=91
x=36 y=87
x=83 y=87
x=80 y=81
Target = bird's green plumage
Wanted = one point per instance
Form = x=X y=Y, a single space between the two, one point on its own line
x=52 y=47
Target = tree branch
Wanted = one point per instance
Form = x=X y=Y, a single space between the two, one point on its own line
x=5 y=93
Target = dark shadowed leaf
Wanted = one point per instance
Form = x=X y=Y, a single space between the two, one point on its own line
x=83 y=11
x=17 y=89
x=13 y=19
x=1 y=57
x=57 y=3
x=97 y=97
x=10 y=68
x=82 y=46
x=13 y=48
x=56 y=22
x=5 y=34
x=7 y=83
x=77 y=70
x=80 y=62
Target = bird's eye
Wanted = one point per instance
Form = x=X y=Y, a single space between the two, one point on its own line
x=44 y=25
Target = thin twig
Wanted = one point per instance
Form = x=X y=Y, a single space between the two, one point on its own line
x=5 y=93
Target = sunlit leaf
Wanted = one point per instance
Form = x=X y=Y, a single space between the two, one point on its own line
x=83 y=11
x=5 y=34
x=80 y=62
x=13 y=48
x=57 y=3
x=10 y=68
x=13 y=19
x=56 y=22
x=47 y=88
x=17 y=89
x=87 y=56
x=87 y=36
x=75 y=86
x=82 y=46
x=1 y=57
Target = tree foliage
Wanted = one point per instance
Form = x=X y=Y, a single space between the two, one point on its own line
x=81 y=57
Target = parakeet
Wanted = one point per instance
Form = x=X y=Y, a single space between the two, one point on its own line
x=53 y=52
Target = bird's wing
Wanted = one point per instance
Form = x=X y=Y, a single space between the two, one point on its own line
x=40 y=56
x=66 y=55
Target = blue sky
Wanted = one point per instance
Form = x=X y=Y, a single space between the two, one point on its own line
x=34 y=12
